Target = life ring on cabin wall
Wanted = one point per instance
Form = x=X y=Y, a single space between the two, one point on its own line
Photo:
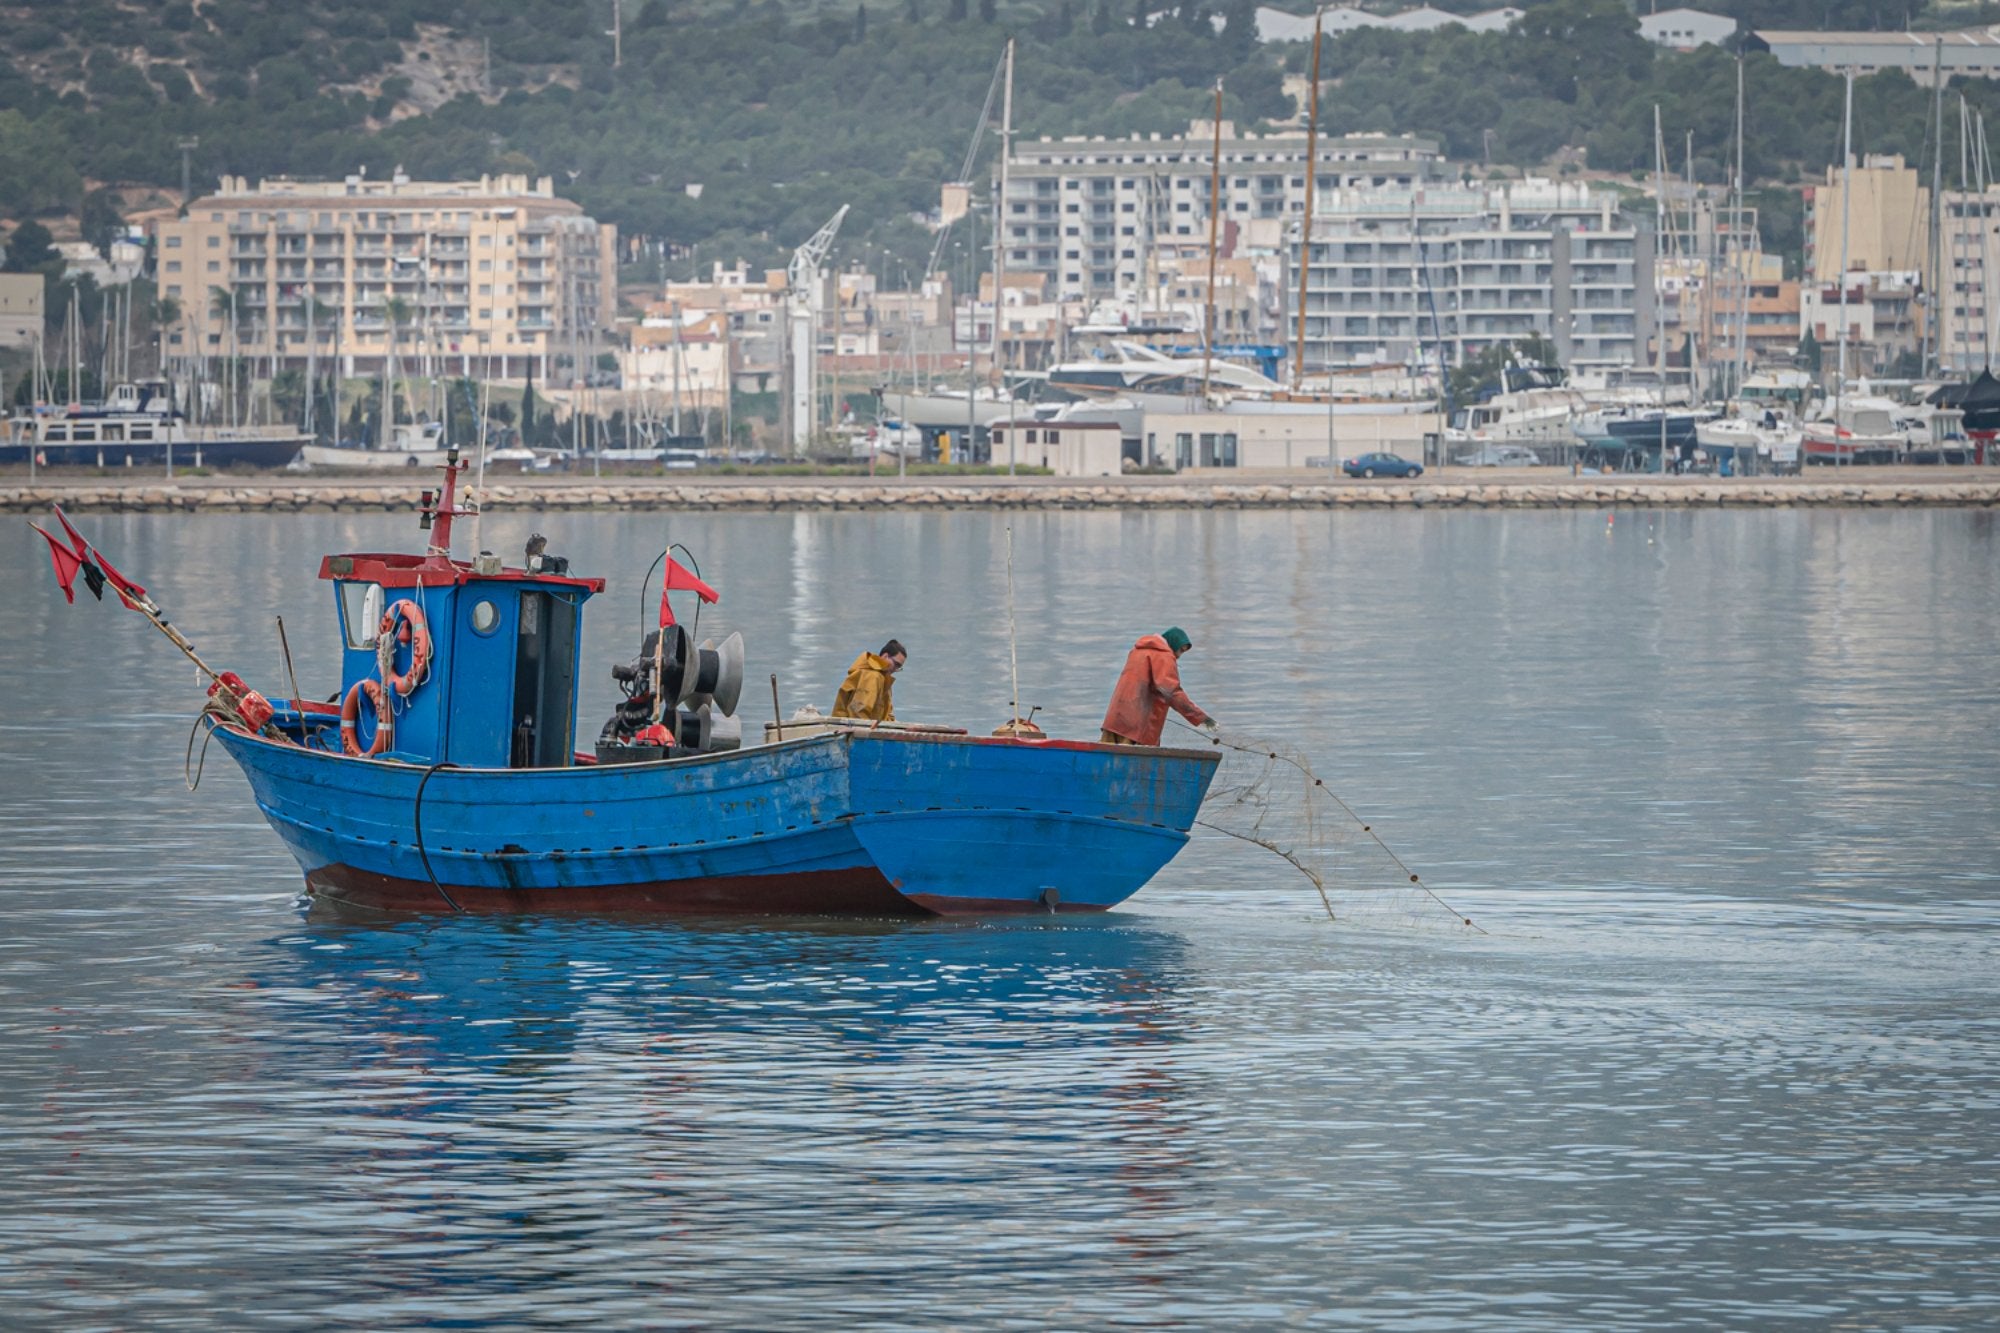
x=350 y=719
x=404 y=622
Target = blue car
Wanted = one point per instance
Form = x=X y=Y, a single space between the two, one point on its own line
x=1381 y=465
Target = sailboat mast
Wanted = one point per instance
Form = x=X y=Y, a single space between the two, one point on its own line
x=1214 y=215
x=1739 y=263
x=1305 y=230
x=1000 y=241
x=1933 y=336
x=1846 y=205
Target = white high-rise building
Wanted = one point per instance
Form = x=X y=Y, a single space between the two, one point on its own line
x=1396 y=273
x=1091 y=213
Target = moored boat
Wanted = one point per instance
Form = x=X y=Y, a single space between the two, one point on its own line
x=140 y=425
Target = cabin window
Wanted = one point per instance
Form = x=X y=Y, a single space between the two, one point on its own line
x=485 y=616
x=361 y=613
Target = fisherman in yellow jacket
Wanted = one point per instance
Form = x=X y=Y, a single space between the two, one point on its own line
x=865 y=692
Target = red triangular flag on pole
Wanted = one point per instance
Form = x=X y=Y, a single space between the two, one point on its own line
x=67 y=564
x=76 y=541
x=679 y=580
x=129 y=592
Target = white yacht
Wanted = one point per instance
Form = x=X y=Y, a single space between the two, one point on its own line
x=139 y=424
x=1156 y=381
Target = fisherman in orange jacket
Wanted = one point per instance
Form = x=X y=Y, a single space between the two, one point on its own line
x=1149 y=685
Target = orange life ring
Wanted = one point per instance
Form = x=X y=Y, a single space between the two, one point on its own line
x=350 y=718
x=404 y=622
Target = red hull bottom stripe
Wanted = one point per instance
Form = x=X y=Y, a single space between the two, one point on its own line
x=858 y=892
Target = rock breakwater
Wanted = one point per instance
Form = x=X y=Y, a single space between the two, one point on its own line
x=1565 y=493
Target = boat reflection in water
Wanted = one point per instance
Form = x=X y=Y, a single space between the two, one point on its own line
x=725 y=1078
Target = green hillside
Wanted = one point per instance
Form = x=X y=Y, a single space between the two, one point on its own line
x=782 y=113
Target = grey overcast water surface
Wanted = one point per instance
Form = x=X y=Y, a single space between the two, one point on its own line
x=1722 y=787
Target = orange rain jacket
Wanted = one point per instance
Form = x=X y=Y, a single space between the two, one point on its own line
x=1150 y=682
x=866 y=691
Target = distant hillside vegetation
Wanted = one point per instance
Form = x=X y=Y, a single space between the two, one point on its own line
x=739 y=129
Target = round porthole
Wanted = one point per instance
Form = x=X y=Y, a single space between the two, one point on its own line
x=485 y=616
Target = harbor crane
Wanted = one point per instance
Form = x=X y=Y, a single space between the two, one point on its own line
x=803 y=303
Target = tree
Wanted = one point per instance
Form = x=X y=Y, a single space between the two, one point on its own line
x=101 y=222
x=165 y=314
x=29 y=248
x=1811 y=358
x=955 y=11
x=1101 y=21
x=1480 y=374
x=861 y=23
x=989 y=10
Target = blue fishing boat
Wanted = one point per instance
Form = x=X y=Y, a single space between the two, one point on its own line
x=446 y=778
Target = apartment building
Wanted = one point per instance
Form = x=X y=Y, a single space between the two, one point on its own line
x=456 y=277
x=1887 y=216
x=21 y=317
x=1393 y=274
x=1090 y=213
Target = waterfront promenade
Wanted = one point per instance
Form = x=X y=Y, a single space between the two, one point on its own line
x=1473 y=488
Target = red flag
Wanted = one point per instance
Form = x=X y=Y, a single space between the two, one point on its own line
x=129 y=592
x=76 y=541
x=67 y=564
x=679 y=580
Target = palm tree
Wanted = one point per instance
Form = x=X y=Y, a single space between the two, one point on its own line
x=165 y=314
x=397 y=311
x=318 y=315
x=222 y=308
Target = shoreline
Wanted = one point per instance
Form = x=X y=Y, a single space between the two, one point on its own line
x=1957 y=487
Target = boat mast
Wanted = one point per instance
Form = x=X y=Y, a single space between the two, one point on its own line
x=1214 y=215
x=1659 y=315
x=1742 y=350
x=1846 y=204
x=1933 y=335
x=1000 y=241
x=1305 y=230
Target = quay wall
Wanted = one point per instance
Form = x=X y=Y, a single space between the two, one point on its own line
x=809 y=494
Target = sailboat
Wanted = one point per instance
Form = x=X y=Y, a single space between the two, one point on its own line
x=1862 y=429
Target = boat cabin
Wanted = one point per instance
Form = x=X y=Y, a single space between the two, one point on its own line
x=497 y=687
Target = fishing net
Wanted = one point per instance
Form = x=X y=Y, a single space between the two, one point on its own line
x=1266 y=793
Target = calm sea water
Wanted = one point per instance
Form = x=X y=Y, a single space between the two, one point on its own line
x=1721 y=787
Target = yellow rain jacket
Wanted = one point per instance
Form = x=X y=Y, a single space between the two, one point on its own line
x=865 y=692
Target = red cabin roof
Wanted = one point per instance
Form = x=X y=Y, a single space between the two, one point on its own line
x=400 y=569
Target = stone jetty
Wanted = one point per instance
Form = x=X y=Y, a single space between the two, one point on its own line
x=1956 y=487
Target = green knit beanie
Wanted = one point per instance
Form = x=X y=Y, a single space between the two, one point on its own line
x=1177 y=639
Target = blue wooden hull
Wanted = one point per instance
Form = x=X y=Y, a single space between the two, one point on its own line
x=871 y=824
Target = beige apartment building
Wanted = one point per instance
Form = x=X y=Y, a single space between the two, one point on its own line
x=1888 y=217
x=20 y=309
x=485 y=277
